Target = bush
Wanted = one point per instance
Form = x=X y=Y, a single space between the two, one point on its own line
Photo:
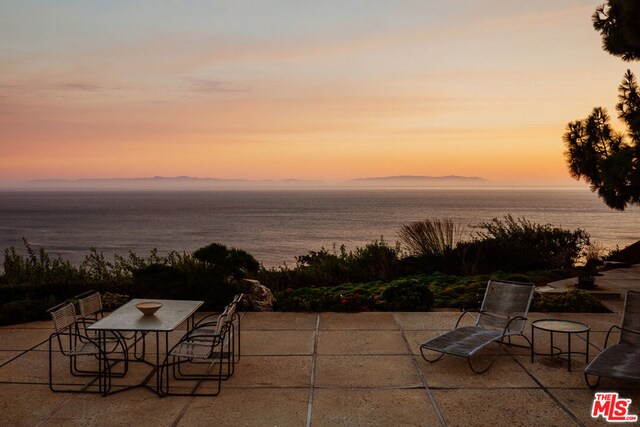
x=111 y=301
x=375 y=261
x=33 y=282
x=322 y=299
x=574 y=301
x=410 y=294
x=230 y=262
x=518 y=245
x=20 y=311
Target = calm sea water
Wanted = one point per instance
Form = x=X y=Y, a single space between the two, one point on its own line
x=275 y=226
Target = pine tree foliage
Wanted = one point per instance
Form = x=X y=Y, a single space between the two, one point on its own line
x=619 y=24
x=608 y=160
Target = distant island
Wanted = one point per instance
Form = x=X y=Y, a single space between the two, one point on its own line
x=196 y=183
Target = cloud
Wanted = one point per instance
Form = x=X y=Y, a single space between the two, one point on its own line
x=80 y=87
x=211 y=86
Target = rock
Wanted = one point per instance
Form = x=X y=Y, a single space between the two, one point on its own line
x=256 y=296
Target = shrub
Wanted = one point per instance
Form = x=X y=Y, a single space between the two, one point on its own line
x=574 y=301
x=33 y=282
x=25 y=310
x=111 y=301
x=322 y=299
x=375 y=261
x=518 y=245
x=410 y=294
x=232 y=262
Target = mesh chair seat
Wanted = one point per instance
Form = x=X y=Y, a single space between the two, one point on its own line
x=463 y=341
x=84 y=348
x=192 y=350
x=620 y=361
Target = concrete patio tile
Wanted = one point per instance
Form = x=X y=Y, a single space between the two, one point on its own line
x=538 y=315
x=454 y=372
x=524 y=407
x=416 y=338
x=249 y=407
x=8 y=355
x=552 y=372
x=599 y=322
x=358 y=407
x=22 y=339
x=276 y=343
x=134 y=407
x=366 y=371
x=276 y=320
x=361 y=342
x=598 y=339
x=580 y=401
x=27 y=405
x=40 y=324
x=358 y=321
x=437 y=320
x=33 y=367
x=271 y=371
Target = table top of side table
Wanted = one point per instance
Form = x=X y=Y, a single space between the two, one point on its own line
x=560 y=325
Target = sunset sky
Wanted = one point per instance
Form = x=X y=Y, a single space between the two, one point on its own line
x=326 y=90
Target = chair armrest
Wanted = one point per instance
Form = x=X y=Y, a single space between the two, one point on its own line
x=506 y=328
x=101 y=350
x=200 y=322
x=472 y=310
x=606 y=341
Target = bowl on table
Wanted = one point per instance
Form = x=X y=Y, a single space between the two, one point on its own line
x=148 y=308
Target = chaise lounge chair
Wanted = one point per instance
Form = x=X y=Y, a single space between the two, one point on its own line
x=622 y=360
x=502 y=315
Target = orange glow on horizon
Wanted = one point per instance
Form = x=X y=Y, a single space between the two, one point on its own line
x=480 y=92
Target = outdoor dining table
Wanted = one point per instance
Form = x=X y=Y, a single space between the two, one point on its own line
x=129 y=319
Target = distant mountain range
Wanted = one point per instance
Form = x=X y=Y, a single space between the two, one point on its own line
x=189 y=182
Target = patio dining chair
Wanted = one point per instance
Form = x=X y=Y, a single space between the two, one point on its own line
x=73 y=344
x=91 y=311
x=206 y=326
x=621 y=360
x=215 y=352
x=503 y=314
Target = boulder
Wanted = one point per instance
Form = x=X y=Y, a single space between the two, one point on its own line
x=257 y=297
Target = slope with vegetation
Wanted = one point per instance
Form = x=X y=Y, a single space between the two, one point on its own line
x=431 y=267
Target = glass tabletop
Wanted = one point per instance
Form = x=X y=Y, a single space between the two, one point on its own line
x=560 y=325
x=129 y=318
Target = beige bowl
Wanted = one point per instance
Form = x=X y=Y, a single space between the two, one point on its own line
x=148 y=308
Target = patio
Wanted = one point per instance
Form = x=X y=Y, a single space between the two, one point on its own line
x=323 y=370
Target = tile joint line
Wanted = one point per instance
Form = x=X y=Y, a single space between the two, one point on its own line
x=312 y=379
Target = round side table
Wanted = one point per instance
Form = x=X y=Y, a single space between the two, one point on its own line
x=555 y=326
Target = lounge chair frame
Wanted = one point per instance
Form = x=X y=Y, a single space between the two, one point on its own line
x=502 y=315
x=622 y=360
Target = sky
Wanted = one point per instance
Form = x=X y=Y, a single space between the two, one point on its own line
x=329 y=90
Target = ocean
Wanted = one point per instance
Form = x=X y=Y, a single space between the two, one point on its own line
x=277 y=225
